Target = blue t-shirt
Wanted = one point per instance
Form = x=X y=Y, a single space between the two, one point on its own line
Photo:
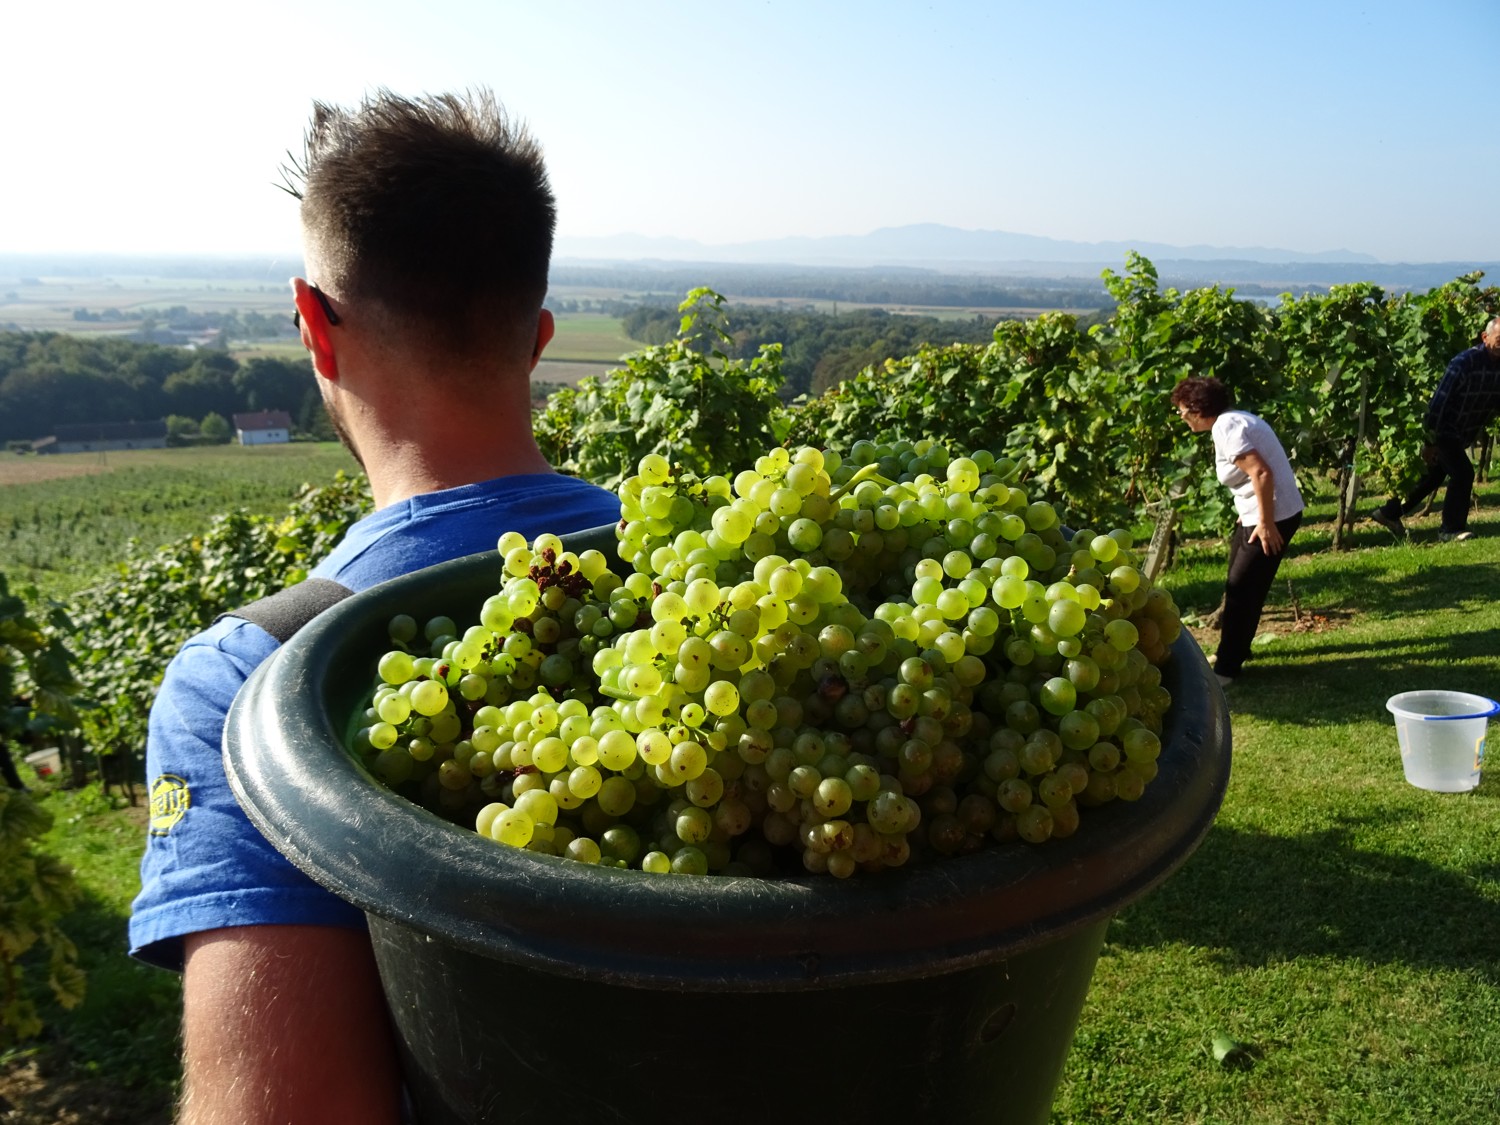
x=206 y=866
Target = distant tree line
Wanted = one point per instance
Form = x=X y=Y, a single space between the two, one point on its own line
x=818 y=350
x=606 y=306
x=171 y=325
x=49 y=379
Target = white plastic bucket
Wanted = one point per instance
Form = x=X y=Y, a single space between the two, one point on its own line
x=1442 y=737
x=46 y=762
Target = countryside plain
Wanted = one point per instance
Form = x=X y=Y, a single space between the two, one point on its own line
x=585 y=344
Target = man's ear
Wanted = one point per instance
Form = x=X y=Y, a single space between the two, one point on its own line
x=546 y=328
x=316 y=337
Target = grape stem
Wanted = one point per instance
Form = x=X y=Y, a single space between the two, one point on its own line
x=619 y=693
x=869 y=472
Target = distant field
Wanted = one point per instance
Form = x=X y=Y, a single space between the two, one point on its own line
x=609 y=293
x=585 y=344
x=589 y=338
x=47 y=303
x=550 y=371
x=277 y=349
x=65 y=519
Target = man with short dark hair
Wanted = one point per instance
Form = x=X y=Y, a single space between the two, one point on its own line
x=427 y=227
x=1465 y=402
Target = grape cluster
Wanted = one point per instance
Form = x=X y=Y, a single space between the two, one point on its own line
x=830 y=663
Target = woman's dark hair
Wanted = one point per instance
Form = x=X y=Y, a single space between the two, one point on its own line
x=438 y=208
x=1204 y=396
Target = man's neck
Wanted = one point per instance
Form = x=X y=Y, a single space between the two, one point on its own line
x=399 y=470
x=423 y=423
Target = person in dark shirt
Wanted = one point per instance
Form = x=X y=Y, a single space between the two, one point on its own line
x=1465 y=402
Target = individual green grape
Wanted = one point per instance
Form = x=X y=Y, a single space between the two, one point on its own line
x=706 y=790
x=584 y=781
x=538 y=804
x=653 y=469
x=583 y=850
x=689 y=860
x=1066 y=617
x=396 y=667
x=1057 y=695
x=1078 y=729
x=833 y=797
x=1124 y=579
x=1034 y=823
x=686 y=761
x=513 y=827
x=1129 y=784
x=429 y=697
x=1122 y=634
x=721 y=698
x=393 y=710
x=1141 y=745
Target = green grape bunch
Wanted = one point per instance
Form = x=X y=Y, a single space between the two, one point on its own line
x=818 y=664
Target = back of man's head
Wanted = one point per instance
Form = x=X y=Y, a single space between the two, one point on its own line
x=434 y=213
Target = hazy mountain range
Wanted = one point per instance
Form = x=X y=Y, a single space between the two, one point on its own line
x=931 y=246
x=927 y=248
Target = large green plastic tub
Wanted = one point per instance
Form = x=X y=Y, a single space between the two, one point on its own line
x=526 y=988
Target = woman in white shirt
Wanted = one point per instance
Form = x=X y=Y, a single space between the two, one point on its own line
x=1251 y=463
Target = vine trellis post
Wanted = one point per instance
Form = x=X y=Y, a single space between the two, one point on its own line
x=1349 y=493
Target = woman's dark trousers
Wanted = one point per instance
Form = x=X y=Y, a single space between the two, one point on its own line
x=1251 y=572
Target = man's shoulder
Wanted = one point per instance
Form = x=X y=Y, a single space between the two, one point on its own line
x=523 y=497
x=231 y=647
x=1477 y=358
x=435 y=527
x=201 y=681
x=1475 y=371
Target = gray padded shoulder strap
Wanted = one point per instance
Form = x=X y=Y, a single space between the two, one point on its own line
x=283 y=613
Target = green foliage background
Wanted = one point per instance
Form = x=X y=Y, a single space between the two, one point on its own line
x=127 y=629
x=36 y=890
x=1344 y=379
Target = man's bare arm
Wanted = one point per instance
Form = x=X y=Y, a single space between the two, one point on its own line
x=285 y=1025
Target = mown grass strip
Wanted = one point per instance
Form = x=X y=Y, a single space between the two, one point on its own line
x=1339 y=924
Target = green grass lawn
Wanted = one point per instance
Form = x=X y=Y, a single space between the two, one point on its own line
x=113 y=1059
x=1342 y=926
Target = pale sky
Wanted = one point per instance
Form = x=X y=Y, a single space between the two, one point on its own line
x=1312 y=125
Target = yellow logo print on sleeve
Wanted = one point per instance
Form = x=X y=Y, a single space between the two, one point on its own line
x=169 y=800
